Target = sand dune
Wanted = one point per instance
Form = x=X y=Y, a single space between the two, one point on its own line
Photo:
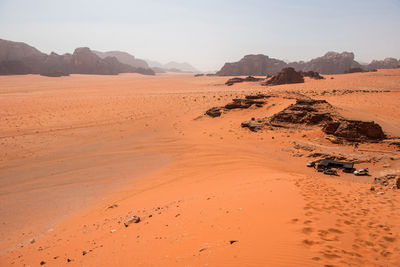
x=80 y=154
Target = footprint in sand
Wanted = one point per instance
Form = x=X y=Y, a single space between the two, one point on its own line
x=307 y=230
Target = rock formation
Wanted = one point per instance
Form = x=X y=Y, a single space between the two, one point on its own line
x=330 y=63
x=320 y=112
x=238 y=103
x=20 y=58
x=387 y=63
x=312 y=74
x=305 y=111
x=354 y=130
x=14 y=67
x=239 y=80
x=285 y=76
x=257 y=65
x=124 y=58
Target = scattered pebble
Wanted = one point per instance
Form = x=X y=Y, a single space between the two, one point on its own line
x=133 y=219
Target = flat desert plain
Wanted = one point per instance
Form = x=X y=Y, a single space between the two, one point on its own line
x=79 y=155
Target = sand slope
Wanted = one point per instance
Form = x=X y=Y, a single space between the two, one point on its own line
x=209 y=192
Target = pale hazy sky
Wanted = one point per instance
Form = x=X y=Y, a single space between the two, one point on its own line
x=207 y=33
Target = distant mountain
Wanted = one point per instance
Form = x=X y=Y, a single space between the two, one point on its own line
x=387 y=63
x=124 y=57
x=154 y=64
x=330 y=63
x=171 y=66
x=20 y=58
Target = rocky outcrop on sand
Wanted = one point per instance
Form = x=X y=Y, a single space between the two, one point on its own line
x=256 y=65
x=238 y=103
x=320 y=112
x=285 y=76
x=20 y=58
x=304 y=111
x=232 y=81
x=253 y=125
x=243 y=103
x=391 y=180
x=354 y=130
x=214 y=112
x=359 y=69
x=312 y=112
x=312 y=74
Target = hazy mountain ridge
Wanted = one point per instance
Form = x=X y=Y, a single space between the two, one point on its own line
x=20 y=58
x=330 y=63
x=171 y=66
x=124 y=57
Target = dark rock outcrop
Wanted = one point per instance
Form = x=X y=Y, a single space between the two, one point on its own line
x=320 y=112
x=354 y=130
x=258 y=96
x=238 y=103
x=286 y=76
x=253 y=125
x=256 y=65
x=239 y=80
x=243 y=103
x=312 y=74
x=358 y=69
x=214 y=112
x=54 y=74
x=305 y=111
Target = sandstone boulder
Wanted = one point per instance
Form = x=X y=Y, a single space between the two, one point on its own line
x=354 y=130
x=253 y=125
x=286 y=76
x=214 y=112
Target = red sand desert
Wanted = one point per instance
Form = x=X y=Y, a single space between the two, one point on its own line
x=80 y=154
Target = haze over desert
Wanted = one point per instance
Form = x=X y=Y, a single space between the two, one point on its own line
x=199 y=134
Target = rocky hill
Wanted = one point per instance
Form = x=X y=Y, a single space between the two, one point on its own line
x=20 y=58
x=387 y=63
x=258 y=65
x=330 y=63
x=124 y=57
